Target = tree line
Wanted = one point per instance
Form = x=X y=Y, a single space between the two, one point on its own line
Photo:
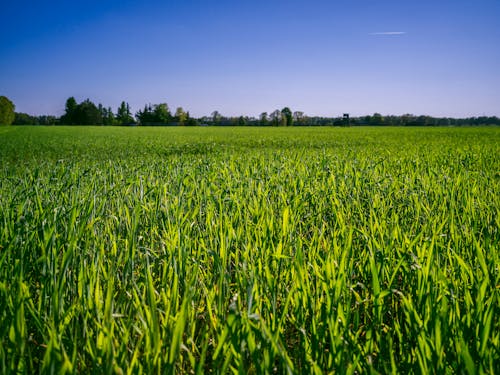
x=88 y=113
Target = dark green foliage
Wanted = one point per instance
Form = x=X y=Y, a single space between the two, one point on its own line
x=7 y=109
x=242 y=121
x=107 y=115
x=26 y=119
x=275 y=118
x=158 y=114
x=69 y=117
x=377 y=119
x=263 y=119
x=85 y=113
x=216 y=118
x=190 y=121
x=286 y=117
x=123 y=115
x=161 y=113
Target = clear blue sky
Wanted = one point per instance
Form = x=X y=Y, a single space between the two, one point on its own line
x=436 y=57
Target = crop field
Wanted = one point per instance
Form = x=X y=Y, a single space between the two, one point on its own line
x=249 y=250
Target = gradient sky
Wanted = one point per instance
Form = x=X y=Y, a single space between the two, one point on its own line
x=435 y=57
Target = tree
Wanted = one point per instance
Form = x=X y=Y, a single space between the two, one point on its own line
x=242 y=121
x=158 y=114
x=263 y=119
x=24 y=119
x=7 y=111
x=407 y=119
x=377 y=119
x=108 y=118
x=146 y=115
x=275 y=117
x=123 y=115
x=191 y=121
x=162 y=113
x=46 y=120
x=298 y=116
x=286 y=117
x=87 y=113
x=180 y=116
x=216 y=117
x=69 y=117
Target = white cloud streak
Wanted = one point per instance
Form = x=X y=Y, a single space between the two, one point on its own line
x=389 y=33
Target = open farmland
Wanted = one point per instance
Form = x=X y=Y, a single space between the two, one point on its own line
x=249 y=250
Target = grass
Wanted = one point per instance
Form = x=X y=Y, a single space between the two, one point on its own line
x=249 y=250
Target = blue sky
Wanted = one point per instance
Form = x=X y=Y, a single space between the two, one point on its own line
x=434 y=57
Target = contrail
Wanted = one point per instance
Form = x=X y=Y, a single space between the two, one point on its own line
x=389 y=33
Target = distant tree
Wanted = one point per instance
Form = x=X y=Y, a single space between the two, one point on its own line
x=242 y=121
x=180 y=116
x=407 y=119
x=108 y=117
x=7 y=111
x=123 y=115
x=69 y=117
x=216 y=117
x=24 y=119
x=493 y=120
x=376 y=119
x=298 y=116
x=104 y=113
x=46 y=120
x=424 y=121
x=390 y=120
x=87 y=113
x=275 y=117
x=286 y=117
x=158 y=114
x=162 y=113
x=444 y=121
x=191 y=121
x=263 y=119
x=146 y=115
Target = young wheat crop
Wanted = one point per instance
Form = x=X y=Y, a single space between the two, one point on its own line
x=249 y=250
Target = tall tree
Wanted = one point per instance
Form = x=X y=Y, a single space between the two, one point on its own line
x=158 y=114
x=87 y=113
x=216 y=117
x=263 y=119
x=69 y=117
x=275 y=117
x=123 y=115
x=180 y=116
x=7 y=111
x=286 y=117
x=162 y=113
x=108 y=117
x=145 y=116
x=298 y=117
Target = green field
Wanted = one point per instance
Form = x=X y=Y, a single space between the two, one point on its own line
x=249 y=250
